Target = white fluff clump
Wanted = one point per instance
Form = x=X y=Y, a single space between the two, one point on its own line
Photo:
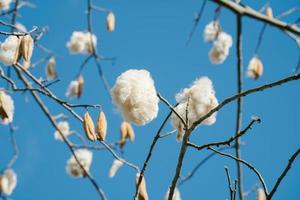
x=220 y=50
x=255 y=68
x=114 y=168
x=5 y=4
x=135 y=96
x=9 y=50
x=201 y=98
x=211 y=31
x=72 y=91
x=7 y=108
x=82 y=42
x=64 y=128
x=176 y=194
x=85 y=158
x=8 y=181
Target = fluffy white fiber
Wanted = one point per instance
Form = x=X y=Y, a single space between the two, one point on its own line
x=135 y=96
x=7 y=108
x=255 y=68
x=9 y=50
x=81 y=42
x=85 y=158
x=63 y=126
x=211 y=31
x=8 y=181
x=220 y=50
x=176 y=195
x=5 y=4
x=202 y=99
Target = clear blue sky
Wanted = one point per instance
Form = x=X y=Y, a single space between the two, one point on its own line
x=152 y=35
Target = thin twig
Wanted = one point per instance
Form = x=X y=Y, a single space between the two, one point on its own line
x=283 y=174
x=251 y=167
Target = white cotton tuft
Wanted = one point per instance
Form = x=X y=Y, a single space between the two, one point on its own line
x=211 y=31
x=75 y=88
x=114 y=168
x=7 y=108
x=134 y=94
x=85 y=158
x=201 y=98
x=255 y=68
x=82 y=42
x=5 y=4
x=64 y=128
x=220 y=50
x=176 y=195
x=9 y=50
x=8 y=181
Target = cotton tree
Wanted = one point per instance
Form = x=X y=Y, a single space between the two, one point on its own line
x=137 y=106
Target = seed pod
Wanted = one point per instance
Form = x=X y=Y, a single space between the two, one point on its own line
x=261 y=194
x=50 y=69
x=110 y=21
x=3 y=113
x=269 y=12
x=89 y=127
x=142 y=190
x=126 y=132
x=80 y=85
x=255 y=68
x=101 y=127
x=26 y=49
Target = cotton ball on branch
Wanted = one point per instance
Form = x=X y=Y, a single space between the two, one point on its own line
x=176 y=194
x=5 y=4
x=8 y=182
x=134 y=94
x=200 y=98
x=82 y=42
x=64 y=128
x=220 y=50
x=75 y=88
x=211 y=31
x=255 y=68
x=6 y=108
x=85 y=157
x=9 y=50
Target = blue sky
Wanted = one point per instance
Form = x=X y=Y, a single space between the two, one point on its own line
x=152 y=35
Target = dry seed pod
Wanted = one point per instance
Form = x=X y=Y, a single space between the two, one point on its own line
x=110 y=21
x=261 y=194
x=26 y=49
x=269 y=12
x=101 y=126
x=126 y=132
x=89 y=128
x=80 y=85
x=51 y=69
x=255 y=68
x=142 y=191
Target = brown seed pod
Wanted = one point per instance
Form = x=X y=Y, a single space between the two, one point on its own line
x=101 y=127
x=261 y=194
x=142 y=190
x=26 y=49
x=110 y=21
x=127 y=132
x=3 y=113
x=89 y=127
x=51 y=69
x=269 y=12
